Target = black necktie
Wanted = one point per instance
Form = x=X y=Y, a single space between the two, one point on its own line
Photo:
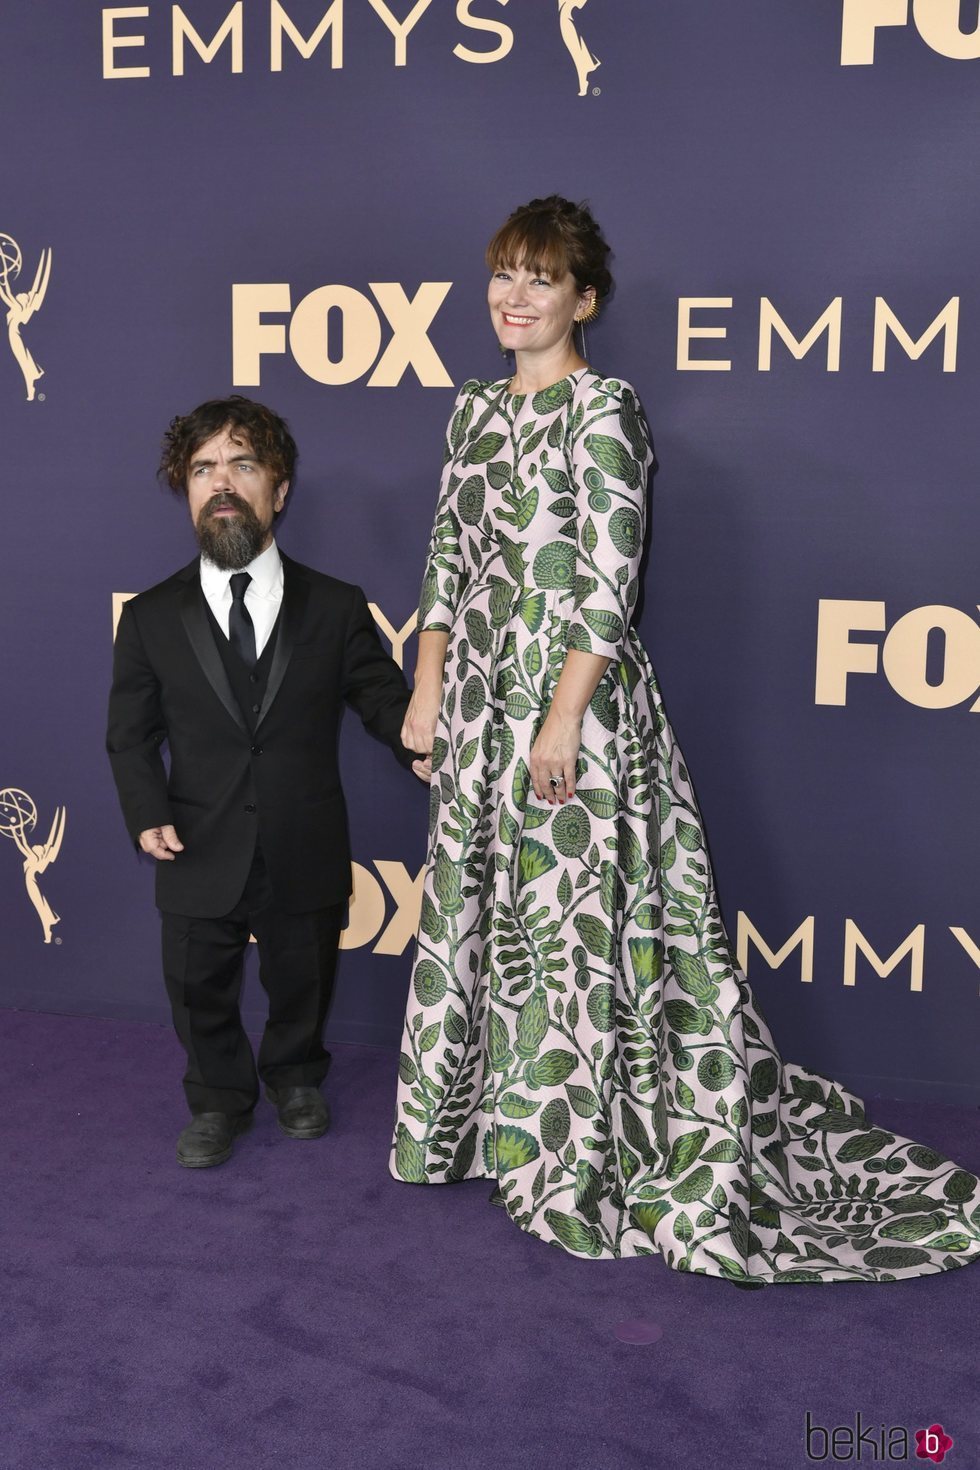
x=241 y=633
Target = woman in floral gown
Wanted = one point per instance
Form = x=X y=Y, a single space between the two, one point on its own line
x=577 y=1026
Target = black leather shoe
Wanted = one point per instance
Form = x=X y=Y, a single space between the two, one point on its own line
x=208 y=1139
x=302 y=1111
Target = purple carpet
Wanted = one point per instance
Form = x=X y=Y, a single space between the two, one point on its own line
x=298 y=1308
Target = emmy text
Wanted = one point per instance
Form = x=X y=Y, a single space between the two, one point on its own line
x=134 y=36
x=823 y=335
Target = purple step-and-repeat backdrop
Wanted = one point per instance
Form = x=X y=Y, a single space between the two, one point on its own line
x=291 y=198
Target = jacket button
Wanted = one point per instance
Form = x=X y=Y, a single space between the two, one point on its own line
x=253 y=678
x=256 y=708
x=256 y=750
x=250 y=807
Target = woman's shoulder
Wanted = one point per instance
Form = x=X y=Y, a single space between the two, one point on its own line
x=468 y=406
x=608 y=385
x=481 y=388
x=613 y=404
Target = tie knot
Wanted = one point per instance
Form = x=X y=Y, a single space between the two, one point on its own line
x=239 y=582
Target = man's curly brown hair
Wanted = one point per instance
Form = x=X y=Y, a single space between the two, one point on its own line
x=260 y=430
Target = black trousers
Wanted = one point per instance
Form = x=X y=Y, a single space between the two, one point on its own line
x=203 y=963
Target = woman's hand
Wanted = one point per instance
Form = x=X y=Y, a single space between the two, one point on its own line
x=555 y=753
x=556 y=750
x=421 y=717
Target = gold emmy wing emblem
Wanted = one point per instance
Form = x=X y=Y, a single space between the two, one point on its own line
x=22 y=305
x=585 y=62
x=18 y=817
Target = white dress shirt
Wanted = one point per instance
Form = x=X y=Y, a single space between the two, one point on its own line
x=263 y=595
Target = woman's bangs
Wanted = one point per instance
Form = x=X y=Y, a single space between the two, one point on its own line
x=528 y=245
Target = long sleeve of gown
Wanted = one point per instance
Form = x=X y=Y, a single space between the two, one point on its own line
x=611 y=457
x=444 y=577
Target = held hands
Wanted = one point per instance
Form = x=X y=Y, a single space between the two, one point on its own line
x=419 y=728
x=161 y=843
x=422 y=715
x=555 y=753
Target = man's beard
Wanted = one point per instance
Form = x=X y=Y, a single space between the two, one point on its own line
x=231 y=542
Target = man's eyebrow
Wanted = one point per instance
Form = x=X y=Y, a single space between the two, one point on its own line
x=197 y=459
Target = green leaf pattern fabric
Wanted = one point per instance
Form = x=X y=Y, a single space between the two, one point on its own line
x=577 y=1026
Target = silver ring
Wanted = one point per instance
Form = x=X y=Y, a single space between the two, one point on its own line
x=555 y=781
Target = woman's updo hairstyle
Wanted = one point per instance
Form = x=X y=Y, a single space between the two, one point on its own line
x=556 y=237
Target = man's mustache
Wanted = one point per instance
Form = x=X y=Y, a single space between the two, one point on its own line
x=224 y=499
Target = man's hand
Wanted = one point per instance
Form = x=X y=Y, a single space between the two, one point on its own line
x=161 y=843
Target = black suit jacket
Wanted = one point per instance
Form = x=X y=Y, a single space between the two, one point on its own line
x=226 y=785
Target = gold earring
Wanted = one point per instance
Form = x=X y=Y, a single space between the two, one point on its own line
x=591 y=313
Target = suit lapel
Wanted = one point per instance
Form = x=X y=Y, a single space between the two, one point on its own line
x=295 y=594
x=198 y=631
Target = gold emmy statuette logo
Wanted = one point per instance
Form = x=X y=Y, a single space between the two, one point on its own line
x=21 y=305
x=18 y=817
x=585 y=62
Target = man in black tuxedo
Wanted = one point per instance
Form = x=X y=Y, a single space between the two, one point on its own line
x=242 y=663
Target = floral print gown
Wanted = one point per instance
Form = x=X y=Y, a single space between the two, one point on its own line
x=577 y=1026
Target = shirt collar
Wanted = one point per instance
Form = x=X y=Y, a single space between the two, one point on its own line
x=265 y=571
